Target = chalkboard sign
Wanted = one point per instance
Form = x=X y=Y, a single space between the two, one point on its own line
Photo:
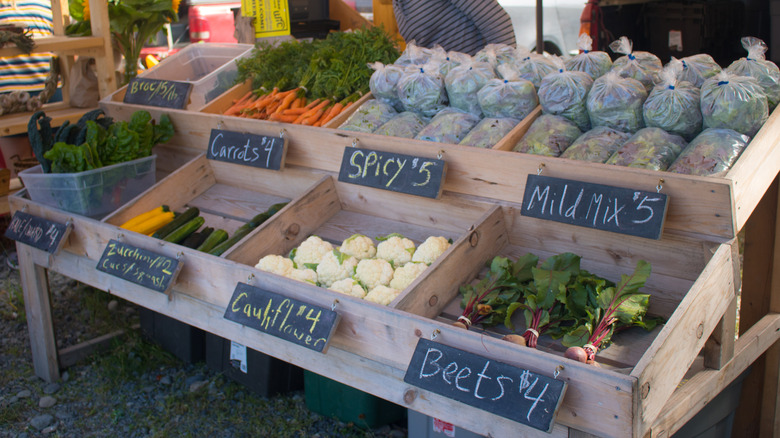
x=140 y=266
x=157 y=92
x=37 y=232
x=247 y=149
x=395 y=172
x=608 y=208
x=511 y=392
x=286 y=318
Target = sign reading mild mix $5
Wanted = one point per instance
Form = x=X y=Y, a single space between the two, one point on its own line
x=272 y=17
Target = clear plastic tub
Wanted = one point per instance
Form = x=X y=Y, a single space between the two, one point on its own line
x=210 y=67
x=92 y=193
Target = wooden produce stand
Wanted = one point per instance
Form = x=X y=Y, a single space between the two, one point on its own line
x=648 y=384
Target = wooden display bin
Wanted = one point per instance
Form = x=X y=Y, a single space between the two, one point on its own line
x=335 y=211
x=227 y=195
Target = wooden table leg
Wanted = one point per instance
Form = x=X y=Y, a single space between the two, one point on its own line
x=37 y=305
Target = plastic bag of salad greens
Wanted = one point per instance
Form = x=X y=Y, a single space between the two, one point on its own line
x=383 y=83
x=449 y=126
x=489 y=131
x=673 y=105
x=698 y=68
x=449 y=60
x=564 y=93
x=511 y=97
x=649 y=148
x=596 y=145
x=421 y=89
x=414 y=55
x=756 y=65
x=733 y=102
x=548 y=135
x=593 y=62
x=496 y=54
x=642 y=66
x=406 y=125
x=464 y=81
x=531 y=66
x=371 y=115
x=712 y=152
x=616 y=102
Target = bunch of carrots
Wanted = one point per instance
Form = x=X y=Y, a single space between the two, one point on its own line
x=289 y=106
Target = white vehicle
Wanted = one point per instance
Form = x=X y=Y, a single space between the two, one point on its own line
x=561 y=23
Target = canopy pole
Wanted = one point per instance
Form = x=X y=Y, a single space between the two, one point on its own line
x=539 y=29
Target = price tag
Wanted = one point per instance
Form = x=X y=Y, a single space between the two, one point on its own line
x=272 y=17
x=140 y=266
x=395 y=172
x=619 y=210
x=248 y=149
x=511 y=392
x=37 y=232
x=286 y=318
x=156 y=92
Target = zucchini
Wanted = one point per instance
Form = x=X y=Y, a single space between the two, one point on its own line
x=262 y=217
x=180 y=220
x=196 y=239
x=217 y=237
x=222 y=247
x=181 y=233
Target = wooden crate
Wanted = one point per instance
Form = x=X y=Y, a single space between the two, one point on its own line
x=693 y=284
x=335 y=211
x=227 y=195
x=219 y=105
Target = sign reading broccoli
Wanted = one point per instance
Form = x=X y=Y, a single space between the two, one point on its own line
x=395 y=172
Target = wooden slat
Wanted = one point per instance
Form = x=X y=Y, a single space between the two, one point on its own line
x=376 y=333
x=37 y=306
x=16 y=123
x=510 y=140
x=699 y=206
x=700 y=389
x=682 y=337
x=70 y=356
x=59 y=44
x=439 y=284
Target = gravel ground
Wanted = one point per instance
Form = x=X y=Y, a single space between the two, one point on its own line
x=134 y=389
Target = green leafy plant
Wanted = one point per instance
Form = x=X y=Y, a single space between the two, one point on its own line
x=132 y=22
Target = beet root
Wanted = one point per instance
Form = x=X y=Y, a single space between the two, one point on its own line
x=516 y=339
x=576 y=353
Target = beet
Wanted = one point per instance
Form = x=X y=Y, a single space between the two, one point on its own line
x=516 y=339
x=576 y=353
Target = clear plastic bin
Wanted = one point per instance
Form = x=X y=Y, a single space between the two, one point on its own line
x=92 y=193
x=210 y=67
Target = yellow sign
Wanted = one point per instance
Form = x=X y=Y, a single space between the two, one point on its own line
x=272 y=17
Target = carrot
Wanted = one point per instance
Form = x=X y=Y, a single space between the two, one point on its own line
x=313 y=118
x=286 y=102
x=286 y=118
x=294 y=111
x=312 y=104
x=335 y=110
x=314 y=109
x=298 y=103
x=240 y=105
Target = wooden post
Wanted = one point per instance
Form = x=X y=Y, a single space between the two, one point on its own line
x=107 y=82
x=37 y=305
x=755 y=415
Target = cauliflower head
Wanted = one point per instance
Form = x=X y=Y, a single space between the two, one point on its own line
x=348 y=286
x=382 y=295
x=373 y=272
x=306 y=274
x=405 y=275
x=396 y=249
x=431 y=249
x=359 y=246
x=335 y=266
x=311 y=251
x=276 y=264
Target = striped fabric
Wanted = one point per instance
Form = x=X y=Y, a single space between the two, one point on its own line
x=461 y=25
x=23 y=72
